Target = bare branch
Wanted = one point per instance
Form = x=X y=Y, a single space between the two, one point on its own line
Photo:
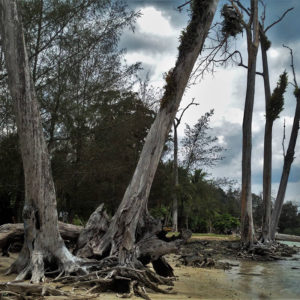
x=292 y=65
x=178 y=120
x=241 y=6
x=280 y=19
x=263 y=15
x=181 y=6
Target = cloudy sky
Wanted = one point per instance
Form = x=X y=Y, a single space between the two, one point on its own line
x=154 y=43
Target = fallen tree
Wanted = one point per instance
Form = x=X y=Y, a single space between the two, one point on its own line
x=287 y=237
x=12 y=233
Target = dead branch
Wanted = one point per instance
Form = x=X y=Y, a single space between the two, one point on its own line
x=279 y=19
x=292 y=65
x=178 y=120
x=184 y=4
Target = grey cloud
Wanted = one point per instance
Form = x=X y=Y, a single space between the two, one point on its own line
x=232 y=133
x=147 y=43
x=294 y=175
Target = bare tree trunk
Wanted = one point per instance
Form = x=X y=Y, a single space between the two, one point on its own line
x=43 y=242
x=288 y=160
x=132 y=225
x=175 y=182
x=267 y=168
x=247 y=227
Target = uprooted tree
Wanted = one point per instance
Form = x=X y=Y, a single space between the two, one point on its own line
x=131 y=237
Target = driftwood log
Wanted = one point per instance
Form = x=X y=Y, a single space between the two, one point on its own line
x=287 y=237
x=11 y=233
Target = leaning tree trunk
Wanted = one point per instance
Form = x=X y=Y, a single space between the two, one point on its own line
x=288 y=160
x=175 y=182
x=42 y=242
x=267 y=168
x=247 y=227
x=131 y=227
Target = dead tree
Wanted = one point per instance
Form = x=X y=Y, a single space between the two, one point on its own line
x=288 y=157
x=273 y=107
x=132 y=228
x=42 y=242
x=252 y=33
x=267 y=168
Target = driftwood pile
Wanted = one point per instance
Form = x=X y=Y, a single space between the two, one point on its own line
x=206 y=254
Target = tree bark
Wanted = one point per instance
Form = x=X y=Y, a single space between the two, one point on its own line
x=175 y=182
x=247 y=227
x=42 y=243
x=288 y=160
x=267 y=168
x=132 y=223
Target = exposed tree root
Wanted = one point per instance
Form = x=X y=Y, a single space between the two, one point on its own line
x=123 y=271
x=126 y=281
x=21 y=290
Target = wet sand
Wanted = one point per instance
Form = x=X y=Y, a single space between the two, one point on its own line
x=191 y=283
x=246 y=280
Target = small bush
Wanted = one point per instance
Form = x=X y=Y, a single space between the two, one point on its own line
x=225 y=224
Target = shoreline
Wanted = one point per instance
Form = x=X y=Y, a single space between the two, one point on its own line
x=246 y=279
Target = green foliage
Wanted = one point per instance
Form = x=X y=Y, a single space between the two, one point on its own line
x=289 y=221
x=77 y=221
x=225 y=223
x=198 y=224
x=160 y=212
x=292 y=231
x=96 y=164
x=277 y=100
x=297 y=92
x=231 y=24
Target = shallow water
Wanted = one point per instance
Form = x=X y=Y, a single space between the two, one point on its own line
x=268 y=280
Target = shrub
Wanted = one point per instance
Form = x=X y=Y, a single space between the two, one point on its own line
x=225 y=224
